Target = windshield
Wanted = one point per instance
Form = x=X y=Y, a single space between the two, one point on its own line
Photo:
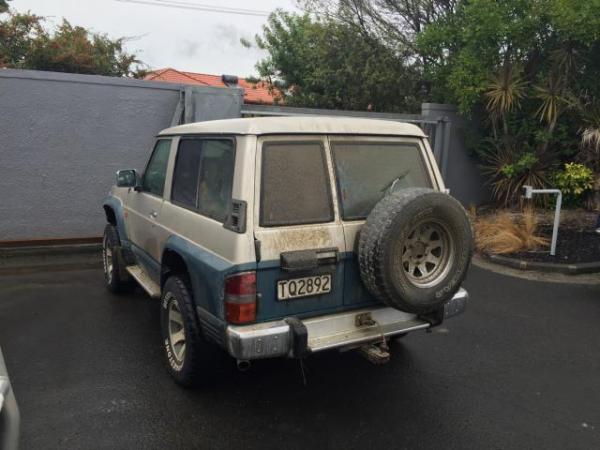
x=366 y=171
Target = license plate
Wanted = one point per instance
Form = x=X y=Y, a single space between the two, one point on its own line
x=303 y=287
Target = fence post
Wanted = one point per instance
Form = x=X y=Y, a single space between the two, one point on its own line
x=438 y=141
x=460 y=171
x=189 y=102
x=176 y=120
x=446 y=145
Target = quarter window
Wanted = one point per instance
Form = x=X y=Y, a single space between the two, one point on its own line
x=215 y=181
x=203 y=176
x=154 y=176
x=185 y=176
x=295 y=184
x=366 y=171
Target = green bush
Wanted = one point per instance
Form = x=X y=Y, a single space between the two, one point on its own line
x=574 y=181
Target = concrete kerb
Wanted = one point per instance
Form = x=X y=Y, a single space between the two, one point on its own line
x=567 y=269
x=535 y=275
x=88 y=256
x=50 y=258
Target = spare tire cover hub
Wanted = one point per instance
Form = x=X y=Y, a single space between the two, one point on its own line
x=426 y=255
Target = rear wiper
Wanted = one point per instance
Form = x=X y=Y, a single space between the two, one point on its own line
x=389 y=188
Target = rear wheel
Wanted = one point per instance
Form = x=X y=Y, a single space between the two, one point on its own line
x=188 y=354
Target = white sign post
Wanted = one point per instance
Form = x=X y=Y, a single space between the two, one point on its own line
x=529 y=192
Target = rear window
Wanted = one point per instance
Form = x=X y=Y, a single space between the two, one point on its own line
x=366 y=171
x=295 y=184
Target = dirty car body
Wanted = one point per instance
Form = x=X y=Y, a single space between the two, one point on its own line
x=261 y=217
x=9 y=411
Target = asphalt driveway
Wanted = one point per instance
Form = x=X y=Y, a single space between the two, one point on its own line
x=521 y=369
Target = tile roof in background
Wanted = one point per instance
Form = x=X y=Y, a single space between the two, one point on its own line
x=253 y=93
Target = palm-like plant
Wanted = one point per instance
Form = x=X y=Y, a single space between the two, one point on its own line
x=504 y=94
x=590 y=137
x=590 y=148
x=567 y=59
x=555 y=98
x=508 y=170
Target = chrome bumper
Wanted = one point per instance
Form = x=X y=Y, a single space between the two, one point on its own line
x=281 y=338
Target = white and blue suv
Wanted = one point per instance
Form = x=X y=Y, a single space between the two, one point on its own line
x=281 y=237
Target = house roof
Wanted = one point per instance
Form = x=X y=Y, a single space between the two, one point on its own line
x=299 y=125
x=253 y=93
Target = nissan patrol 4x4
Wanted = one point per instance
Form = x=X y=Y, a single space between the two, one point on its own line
x=281 y=237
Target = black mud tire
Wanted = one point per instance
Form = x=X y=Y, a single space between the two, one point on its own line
x=193 y=367
x=391 y=254
x=113 y=263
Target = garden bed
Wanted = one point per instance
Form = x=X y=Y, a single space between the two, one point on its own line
x=573 y=246
x=577 y=249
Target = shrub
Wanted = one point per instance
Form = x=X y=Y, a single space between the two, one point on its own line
x=508 y=233
x=509 y=169
x=574 y=181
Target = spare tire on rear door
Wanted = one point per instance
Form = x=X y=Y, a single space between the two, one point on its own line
x=415 y=249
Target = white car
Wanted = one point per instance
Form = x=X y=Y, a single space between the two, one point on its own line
x=281 y=237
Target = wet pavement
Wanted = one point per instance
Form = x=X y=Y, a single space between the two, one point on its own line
x=520 y=369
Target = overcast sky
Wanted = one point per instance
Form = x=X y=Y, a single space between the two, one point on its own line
x=195 y=41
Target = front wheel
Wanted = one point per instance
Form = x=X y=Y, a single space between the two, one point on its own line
x=112 y=262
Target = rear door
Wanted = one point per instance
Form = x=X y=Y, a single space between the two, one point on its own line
x=366 y=169
x=298 y=233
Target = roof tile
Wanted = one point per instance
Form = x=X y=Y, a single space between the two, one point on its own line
x=253 y=93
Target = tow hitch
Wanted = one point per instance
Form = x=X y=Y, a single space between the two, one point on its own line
x=377 y=353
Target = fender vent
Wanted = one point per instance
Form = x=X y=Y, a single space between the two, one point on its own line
x=236 y=220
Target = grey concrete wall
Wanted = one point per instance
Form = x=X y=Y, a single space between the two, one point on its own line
x=461 y=173
x=63 y=137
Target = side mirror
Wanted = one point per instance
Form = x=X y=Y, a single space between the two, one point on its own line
x=127 y=178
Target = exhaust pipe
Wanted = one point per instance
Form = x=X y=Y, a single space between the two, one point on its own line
x=243 y=365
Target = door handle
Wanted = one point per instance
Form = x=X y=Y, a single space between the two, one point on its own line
x=153 y=215
x=301 y=260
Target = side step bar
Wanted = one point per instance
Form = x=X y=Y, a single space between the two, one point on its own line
x=139 y=275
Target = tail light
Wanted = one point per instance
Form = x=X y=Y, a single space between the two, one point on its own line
x=240 y=298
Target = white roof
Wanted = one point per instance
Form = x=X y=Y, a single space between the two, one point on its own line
x=298 y=125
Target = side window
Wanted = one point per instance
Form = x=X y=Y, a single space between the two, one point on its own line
x=215 y=181
x=295 y=185
x=185 y=176
x=203 y=176
x=156 y=170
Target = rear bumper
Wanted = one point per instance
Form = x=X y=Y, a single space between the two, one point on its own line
x=296 y=338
